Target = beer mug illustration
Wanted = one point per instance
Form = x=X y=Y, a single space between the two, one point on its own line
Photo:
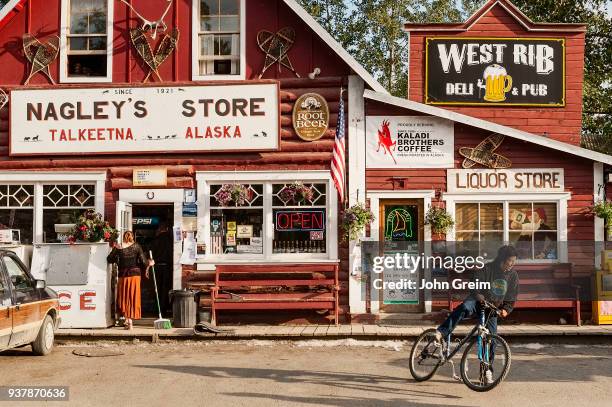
x=497 y=83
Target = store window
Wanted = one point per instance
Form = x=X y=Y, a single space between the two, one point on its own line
x=87 y=40
x=17 y=211
x=266 y=217
x=532 y=227
x=218 y=44
x=236 y=219
x=299 y=215
x=479 y=226
x=62 y=206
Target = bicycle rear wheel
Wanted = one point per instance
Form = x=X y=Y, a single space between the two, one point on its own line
x=485 y=353
x=426 y=356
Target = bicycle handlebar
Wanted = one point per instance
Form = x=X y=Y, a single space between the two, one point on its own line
x=488 y=304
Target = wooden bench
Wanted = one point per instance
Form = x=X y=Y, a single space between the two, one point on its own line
x=276 y=286
x=541 y=286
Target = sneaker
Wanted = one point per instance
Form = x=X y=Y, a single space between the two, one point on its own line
x=438 y=337
x=489 y=377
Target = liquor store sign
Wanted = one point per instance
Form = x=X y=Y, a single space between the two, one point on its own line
x=144 y=119
x=510 y=180
x=495 y=71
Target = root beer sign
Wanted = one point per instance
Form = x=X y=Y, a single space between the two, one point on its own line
x=310 y=116
x=495 y=71
x=144 y=119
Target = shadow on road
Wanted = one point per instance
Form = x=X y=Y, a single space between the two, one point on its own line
x=338 y=400
x=539 y=368
x=351 y=381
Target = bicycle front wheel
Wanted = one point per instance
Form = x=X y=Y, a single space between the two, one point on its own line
x=426 y=356
x=485 y=362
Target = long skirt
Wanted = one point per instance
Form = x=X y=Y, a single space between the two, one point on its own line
x=128 y=297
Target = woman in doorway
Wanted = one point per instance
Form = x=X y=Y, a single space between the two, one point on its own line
x=131 y=260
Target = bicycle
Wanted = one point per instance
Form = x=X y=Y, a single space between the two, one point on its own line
x=483 y=351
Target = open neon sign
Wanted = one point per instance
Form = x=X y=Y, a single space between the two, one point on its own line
x=300 y=220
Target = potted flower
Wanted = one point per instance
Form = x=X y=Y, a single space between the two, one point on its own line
x=439 y=219
x=237 y=194
x=91 y=227
x=355 y=219
x=603 y=209
x=296 y=192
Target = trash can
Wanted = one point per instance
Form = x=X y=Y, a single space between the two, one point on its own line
x=184 y=308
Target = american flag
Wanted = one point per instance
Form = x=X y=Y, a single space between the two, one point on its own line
x=338 y=161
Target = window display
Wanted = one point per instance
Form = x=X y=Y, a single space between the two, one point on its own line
x=531 y=227
x=236 y=219
x=299 y=217
x=17 y=210
x=62 y=205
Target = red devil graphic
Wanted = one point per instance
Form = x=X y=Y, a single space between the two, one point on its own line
x=384 y=139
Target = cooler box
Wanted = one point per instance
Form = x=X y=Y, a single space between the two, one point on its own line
x=79 y=274
x=602 y=306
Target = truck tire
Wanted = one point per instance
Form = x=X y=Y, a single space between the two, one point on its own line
x=44 y=341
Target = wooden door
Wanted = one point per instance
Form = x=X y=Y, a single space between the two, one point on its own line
x=401 y=231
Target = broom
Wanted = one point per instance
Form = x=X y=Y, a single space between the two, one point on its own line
x=160 y=323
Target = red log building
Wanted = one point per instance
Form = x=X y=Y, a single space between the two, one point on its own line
x=217 y=66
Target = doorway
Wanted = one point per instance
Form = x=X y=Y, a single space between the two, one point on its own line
x=152 y=226
x=401 y=230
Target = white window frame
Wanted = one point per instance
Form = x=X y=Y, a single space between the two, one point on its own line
x=506 y=199
x=38 y=179
x=64 y=32
x=195 y=46
x=267 y=178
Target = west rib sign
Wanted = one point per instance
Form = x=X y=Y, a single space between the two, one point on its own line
x=495 y=71
x=144 y=119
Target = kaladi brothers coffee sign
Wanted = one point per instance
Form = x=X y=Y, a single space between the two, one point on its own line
x=409 y=142
x=495 y=71
x=144 y=119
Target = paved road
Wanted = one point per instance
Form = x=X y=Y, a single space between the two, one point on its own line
x=302 y=374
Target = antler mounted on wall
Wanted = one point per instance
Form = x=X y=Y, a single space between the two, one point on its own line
x=154 y=27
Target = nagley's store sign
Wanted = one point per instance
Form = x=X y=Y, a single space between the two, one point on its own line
x=144 y=119
x=495 y=71
x=500 y=181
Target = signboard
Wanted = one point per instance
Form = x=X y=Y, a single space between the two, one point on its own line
x=150 y=177
x=299 y=220
x=310 y=116
x=144 y=119
x=244 y=231
x=409 y=142
x=509 y=180
x=495 y=71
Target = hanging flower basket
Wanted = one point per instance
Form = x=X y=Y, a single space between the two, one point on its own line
x=296 y=193
x=354 y=221
x=91 y=227
x=439 y=219
x=232 y=194
x=603 y=209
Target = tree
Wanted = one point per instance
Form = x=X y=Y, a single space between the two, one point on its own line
x=597 y=99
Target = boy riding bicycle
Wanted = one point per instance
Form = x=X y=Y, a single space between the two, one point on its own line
x=503 y=292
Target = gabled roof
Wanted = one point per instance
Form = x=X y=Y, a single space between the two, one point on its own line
x=9 y=10
x=514 y=11
x=334 y=45
x=486 y=125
